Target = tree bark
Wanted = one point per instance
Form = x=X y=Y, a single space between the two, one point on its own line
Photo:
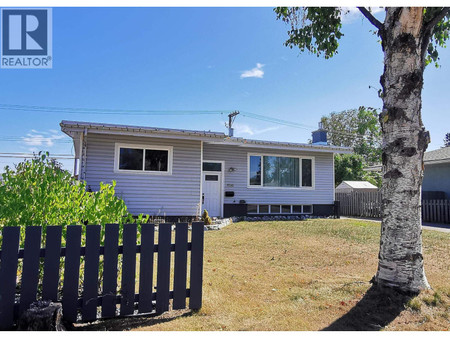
x=404 y=143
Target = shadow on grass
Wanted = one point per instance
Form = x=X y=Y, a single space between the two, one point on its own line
x=132 y=322
x=373 y=312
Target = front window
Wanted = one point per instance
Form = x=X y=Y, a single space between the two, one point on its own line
x=280 y=171
x=140 y=159
x=255 y=170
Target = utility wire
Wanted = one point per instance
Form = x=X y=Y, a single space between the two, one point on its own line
x=104 y=111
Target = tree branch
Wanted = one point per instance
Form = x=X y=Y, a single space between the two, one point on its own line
x=434 y=21
x=374 y=21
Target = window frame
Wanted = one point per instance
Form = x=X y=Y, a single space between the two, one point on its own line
x=118 y=146
x=300 y=187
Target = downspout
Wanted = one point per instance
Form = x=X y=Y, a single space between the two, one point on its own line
x=83 y=155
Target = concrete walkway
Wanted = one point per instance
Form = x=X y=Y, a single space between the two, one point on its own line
x=427 y=226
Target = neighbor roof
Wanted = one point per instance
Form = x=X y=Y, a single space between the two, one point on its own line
x=69 y=127
x=430 y=157
x=438 y=155
x=360 y=184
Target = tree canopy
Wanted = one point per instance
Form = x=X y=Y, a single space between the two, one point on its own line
x=318 y=29
x=356 y=128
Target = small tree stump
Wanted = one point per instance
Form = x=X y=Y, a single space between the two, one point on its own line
x=42 y=316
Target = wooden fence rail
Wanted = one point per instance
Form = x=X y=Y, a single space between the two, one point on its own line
x=368 y=204
x=82 y=301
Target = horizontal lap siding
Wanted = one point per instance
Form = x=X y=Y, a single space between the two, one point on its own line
x=171 y=195
x=236 y=157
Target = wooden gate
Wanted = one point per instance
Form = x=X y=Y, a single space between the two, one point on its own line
x=53 y=273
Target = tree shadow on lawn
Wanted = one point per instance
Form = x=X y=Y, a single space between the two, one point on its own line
x=131 y=322
x=373 y=312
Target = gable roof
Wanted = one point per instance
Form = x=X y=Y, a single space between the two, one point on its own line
x=71 y=128
x=359 y=184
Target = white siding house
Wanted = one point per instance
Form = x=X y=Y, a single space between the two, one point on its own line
x=169 y=172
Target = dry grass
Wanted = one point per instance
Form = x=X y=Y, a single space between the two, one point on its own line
x=304 y=276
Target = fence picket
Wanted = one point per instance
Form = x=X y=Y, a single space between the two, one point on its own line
x=195 y=298
x=128 y=269
x=163 y=269
x=90 y=299
x=90 y=287
x=30 y=274
x=8 y=273
x=110 y=270
x=179 y=288
x=51 y=263
x=146 y=268
x=71 y=272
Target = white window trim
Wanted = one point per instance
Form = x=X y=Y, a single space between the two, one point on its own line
x=261 y=186
x=142 y=146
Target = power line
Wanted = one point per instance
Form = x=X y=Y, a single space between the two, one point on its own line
x=105 y=111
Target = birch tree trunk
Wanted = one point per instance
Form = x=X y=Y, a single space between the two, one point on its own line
x=404 y=143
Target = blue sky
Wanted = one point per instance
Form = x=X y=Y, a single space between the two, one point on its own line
x=219 y=59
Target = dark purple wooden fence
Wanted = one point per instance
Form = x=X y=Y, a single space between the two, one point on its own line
x=84 y=301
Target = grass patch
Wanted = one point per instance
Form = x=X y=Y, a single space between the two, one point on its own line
x=414 y=304
x=303 y=275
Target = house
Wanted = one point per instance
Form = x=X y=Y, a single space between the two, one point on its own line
x=171 y=172
x=353 y=186
x=436 y=176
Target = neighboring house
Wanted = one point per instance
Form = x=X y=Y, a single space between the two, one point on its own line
x=354 y=186
x=436 y=178
x=170 y=172
x=437 y=173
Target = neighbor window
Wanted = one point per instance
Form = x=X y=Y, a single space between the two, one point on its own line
x=142 y=159
x=280 y=171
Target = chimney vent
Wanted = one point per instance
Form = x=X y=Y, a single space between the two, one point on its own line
x=319 y=136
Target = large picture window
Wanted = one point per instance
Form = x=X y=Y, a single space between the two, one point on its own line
x=130 y=158
x=280 y=171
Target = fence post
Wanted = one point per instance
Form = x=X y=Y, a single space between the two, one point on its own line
x=195 y=298
x=8 y=273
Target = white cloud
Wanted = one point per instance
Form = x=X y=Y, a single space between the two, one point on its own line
x=37 y=138
x=241 y=128
x=354 y=14
x=254 y=72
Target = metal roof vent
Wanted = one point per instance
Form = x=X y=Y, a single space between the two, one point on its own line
x=319 y=136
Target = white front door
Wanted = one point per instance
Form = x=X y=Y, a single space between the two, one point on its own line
x=212 y=193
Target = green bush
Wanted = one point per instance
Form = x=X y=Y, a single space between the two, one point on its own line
x=39 y=192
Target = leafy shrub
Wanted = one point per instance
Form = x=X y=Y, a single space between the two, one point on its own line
x=205 y=218
x=40 y=192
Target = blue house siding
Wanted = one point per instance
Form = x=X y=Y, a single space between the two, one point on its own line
x=236 y=157
x=437 y=178
x=177 y=194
